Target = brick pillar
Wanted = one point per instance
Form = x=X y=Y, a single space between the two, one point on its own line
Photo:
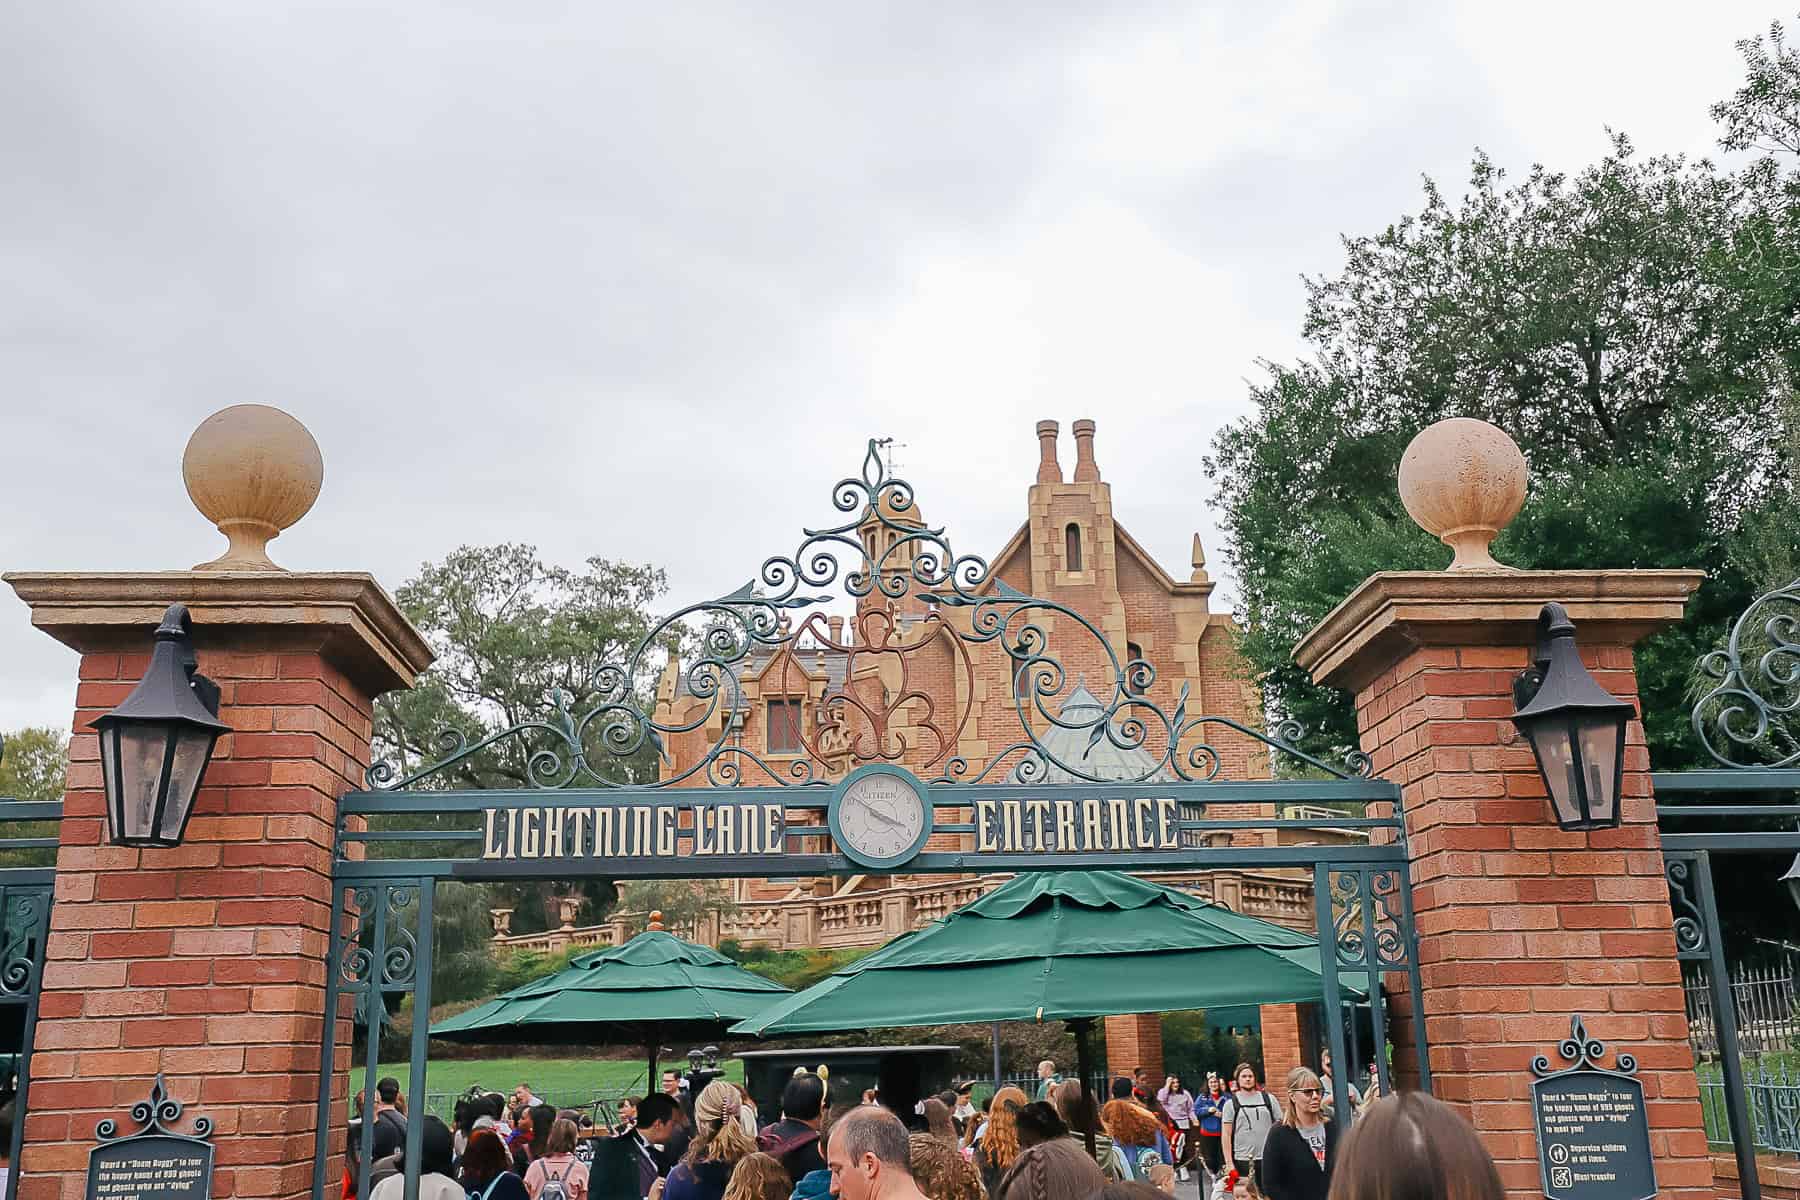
x=1135 y=1041
x=207 y=962
x=1519 y=924
x=1283 y=1044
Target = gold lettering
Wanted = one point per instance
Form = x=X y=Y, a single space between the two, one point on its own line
x=665 y=831
x=1093 y=823
x=489 y=849
x=703 y=844
x=1168 y=836
x=984 y=827
x=1120 y=813
x=773 y=840
x=578 y=831
x=605 y=832
x=728 y=829
x=1010 y=838
x=1039 y=811
x=1065 y=825
x=512 y=833
x=532 y=819
x=640 y=831
x=553 y=834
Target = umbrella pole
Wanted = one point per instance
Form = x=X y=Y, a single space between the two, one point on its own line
x=1084 y=1067
x=996 y=1039
x=650 y=1049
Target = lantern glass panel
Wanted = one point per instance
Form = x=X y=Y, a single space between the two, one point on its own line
x=1598 y=735
x=1553 y=742
x=142 y=748
x=192 y=747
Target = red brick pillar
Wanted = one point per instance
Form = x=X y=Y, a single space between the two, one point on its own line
x=1282 y=1044
x=1519 y=924
x=207 y=962
x=1135 y=1041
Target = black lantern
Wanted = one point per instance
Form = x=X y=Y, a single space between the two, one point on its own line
x=155 y=746
x=1576 y=728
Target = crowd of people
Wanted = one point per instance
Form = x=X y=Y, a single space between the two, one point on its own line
x=1235 y=1138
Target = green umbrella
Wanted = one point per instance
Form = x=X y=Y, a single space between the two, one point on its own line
x=1069 y=946
x=655 y=986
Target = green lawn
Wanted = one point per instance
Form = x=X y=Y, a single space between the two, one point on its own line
x=565 y=1082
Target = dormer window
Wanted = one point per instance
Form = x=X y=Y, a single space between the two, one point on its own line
x=1072 y=547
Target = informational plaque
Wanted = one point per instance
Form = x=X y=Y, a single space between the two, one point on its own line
x=1593 y=1132
x=153 y=1167
x=155 y=1163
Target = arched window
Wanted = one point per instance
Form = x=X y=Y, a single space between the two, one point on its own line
x=1072 y=547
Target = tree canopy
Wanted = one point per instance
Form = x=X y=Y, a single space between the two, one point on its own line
x=513 y=633
x=33 y=764
x=1631 y=325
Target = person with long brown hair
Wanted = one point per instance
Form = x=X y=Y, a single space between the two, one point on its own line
x=941 y=1172
x=998 y=1143
x=1412 y=1147
x=487 y=1169
x=1301 y=1152
x=938 y=1122
x=719 y=1144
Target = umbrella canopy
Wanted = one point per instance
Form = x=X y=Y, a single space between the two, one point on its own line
x=655 y=986
x=1061 y=945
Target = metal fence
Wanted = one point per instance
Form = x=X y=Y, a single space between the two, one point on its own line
x=1027 y=1081
x=1772 y=1089
x=1767 y=1006
x=598 y=1103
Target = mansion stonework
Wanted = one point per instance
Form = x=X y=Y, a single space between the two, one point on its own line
x=890 y=682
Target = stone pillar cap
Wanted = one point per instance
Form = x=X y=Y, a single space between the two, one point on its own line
x=346 y=615
x=1394 y=611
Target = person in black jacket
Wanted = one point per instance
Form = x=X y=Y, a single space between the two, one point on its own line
x=1298 y=1157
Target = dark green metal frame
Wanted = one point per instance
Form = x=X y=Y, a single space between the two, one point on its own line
x=1716 y=796
x=26 y=893
x=421 y=822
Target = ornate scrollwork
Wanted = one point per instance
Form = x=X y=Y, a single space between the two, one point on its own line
x=355 y=958
x=1759 y=685
x=399 y=961
x=918 y=604
x=1391 y=948
x=22 y=925
x=156 y=1116
x=1349 y=934
x=1581 y=1053
x=1690 y=930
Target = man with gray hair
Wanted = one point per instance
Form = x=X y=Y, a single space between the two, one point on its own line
x=870 y=1157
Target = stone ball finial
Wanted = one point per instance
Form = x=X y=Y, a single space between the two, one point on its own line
x=656 y=921
x=253 y=471
x=1463 y=481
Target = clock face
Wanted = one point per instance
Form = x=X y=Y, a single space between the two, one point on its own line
x=881 y=818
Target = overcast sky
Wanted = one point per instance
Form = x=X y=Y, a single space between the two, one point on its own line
x=639 y=280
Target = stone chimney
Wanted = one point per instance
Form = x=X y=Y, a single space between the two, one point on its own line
x=1049 y=470
x=836 y=626
x=1085 y=469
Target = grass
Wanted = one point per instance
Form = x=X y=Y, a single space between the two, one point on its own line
x=566 y=1082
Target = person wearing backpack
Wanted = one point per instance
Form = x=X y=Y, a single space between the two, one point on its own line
x=1245 y=1121
x=557 y=1174
x=437 y=1175
x=794 y=1139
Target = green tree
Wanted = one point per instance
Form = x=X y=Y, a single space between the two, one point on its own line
x=34 y=762
x=1764 y=114
x=1632 y=326
x=518 y=641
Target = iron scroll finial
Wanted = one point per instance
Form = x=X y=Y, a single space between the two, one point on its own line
x=155 y=1116
x=1582 y=1053
x=1757 y=697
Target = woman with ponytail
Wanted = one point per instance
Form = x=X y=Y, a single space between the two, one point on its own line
x=719 y=1143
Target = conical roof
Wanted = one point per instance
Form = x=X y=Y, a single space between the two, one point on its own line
x=1076 y=747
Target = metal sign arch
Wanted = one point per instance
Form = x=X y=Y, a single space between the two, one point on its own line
x=1104 y=770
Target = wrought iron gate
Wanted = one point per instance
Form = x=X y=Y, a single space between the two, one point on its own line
x=1092 y=774
x=27 y=884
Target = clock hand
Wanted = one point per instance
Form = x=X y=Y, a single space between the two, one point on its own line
x=884 y=818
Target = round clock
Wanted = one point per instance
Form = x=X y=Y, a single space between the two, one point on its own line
x=880 y=816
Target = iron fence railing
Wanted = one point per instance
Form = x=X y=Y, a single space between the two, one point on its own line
x=1027 y=1081
x=1766 y=1003
x=1772 y=1092
x=443 y=1104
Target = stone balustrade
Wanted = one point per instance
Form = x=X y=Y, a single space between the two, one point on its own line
x=870 y=918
